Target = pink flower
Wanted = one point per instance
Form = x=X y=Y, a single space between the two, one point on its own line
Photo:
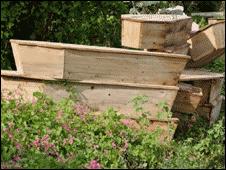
x=17 y=130
x=125 y=122
x=65 y=142
x=59 y=115
x=94 y=165
x=18 y=146
x=113 y=144
x=36 y=143
x=34 y=101
x=16 y=158
x=66 y=127
x=10 y=135
x=81 y=109
x=45 y=138
x=71 y=140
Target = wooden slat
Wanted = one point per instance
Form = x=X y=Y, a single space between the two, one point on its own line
x=208 y=14
x=98 y=97
x=95 y=66
x=199 y=74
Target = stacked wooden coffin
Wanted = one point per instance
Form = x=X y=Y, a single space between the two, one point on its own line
x=103 y=77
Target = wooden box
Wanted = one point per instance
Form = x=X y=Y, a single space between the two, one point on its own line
x=99 y=96
x=155 y=31
x=187 y=99
x=51 y=61
x=207 y=44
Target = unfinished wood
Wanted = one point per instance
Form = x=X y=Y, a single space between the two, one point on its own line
x=199 y=74
x=85 y=63
x=187 y=99
x=215 y=90
x=210 y=111
x=208 y=14
x=216 y=109
x=214 y=20
x=97 y=96
x=182 y=49
x=207 y=44
x=155 y=31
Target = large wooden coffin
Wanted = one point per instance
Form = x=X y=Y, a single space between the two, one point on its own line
x=51 y=61
x=207 y=44
x=98 y=95
x=155 y=31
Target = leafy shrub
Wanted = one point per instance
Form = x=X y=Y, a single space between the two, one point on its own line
x=45 y=134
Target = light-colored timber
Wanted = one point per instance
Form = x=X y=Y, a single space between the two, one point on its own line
x=214 y=20
x=211 y=85
x=154 y=31
x=51 y=61
x=211 y=111
x=98 y=95
x=182 y=49
x=187 y=99
x=207 y=44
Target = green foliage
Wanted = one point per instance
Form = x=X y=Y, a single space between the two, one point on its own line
x=91 y=23
x=45 y=134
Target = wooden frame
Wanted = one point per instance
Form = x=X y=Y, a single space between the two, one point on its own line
x=52 y=61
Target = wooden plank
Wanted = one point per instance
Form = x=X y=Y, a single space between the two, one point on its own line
x=215 y=90
x=199 y=74
x=187 y=99
x=208 y=14
x=97 y=96
x=155 y=31
x=182 y=49
x=207 y=44
x=86 y=63
x=134 y=69
x=214 y=20
x=216 y=109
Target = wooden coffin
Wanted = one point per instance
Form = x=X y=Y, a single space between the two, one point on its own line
x=187 y=99
x=155 y=31
x=207 y=44
x=51 y=61
x=165 y=128
x=98 y=95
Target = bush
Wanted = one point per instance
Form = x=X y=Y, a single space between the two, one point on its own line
x=91 y=23
x=45 y=134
